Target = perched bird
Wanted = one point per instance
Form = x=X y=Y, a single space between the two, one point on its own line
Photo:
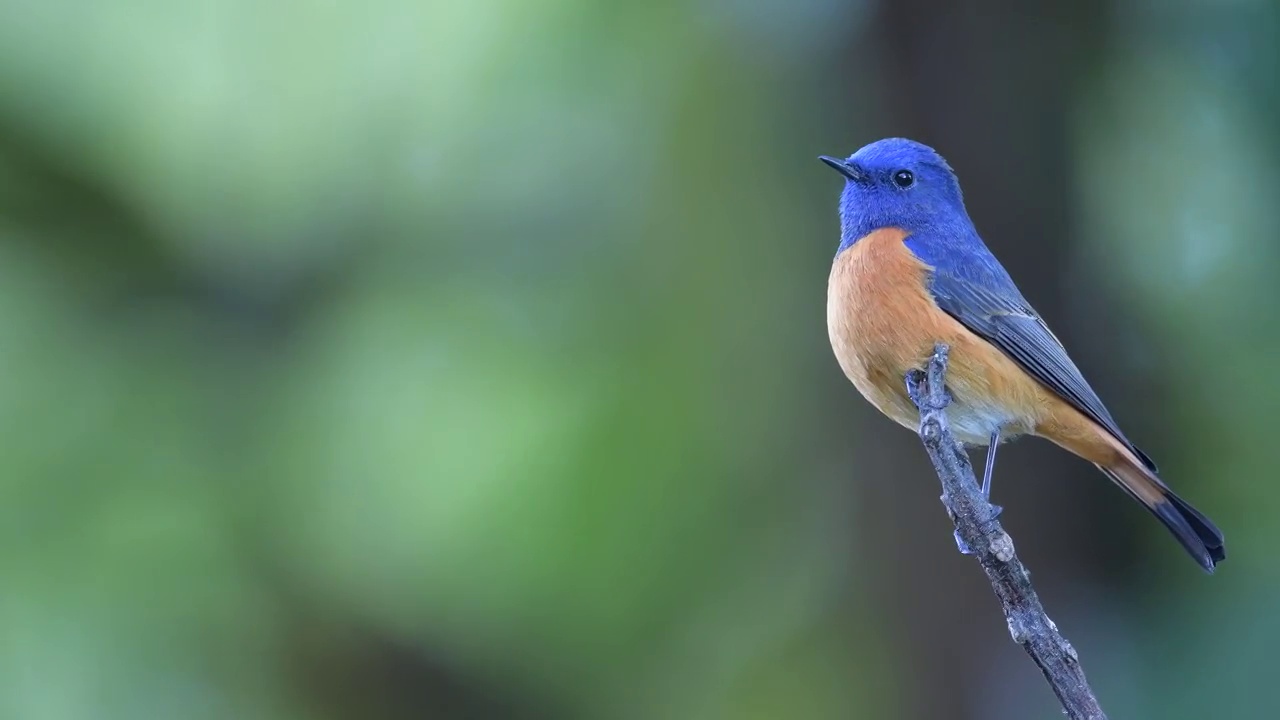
x=911 y=271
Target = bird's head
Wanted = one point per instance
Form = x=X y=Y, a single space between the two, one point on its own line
x=896 y=183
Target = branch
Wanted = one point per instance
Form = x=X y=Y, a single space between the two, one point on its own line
x=977 y=526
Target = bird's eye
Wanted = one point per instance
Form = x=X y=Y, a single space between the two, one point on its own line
x=904 y=179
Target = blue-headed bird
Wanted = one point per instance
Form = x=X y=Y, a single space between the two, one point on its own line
x=910 y=272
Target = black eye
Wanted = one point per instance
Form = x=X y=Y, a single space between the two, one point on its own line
x=904 y=179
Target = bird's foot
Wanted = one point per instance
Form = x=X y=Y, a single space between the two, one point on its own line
x=960 y=543
x=915 y=380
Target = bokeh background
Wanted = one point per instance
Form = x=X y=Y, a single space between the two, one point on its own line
x=467 y=358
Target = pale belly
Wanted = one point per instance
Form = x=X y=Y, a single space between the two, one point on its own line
x=974 y=423
x=974 y=418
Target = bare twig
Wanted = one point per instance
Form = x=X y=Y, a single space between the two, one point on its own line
x=977 y=526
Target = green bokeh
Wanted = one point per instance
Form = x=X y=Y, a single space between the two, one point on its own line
x=467 y=359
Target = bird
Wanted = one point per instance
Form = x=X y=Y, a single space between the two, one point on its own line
x=912 y=271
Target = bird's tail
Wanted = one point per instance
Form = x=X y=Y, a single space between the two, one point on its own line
x=1202 y=540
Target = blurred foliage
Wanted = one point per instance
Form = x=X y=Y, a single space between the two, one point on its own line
x=465 y=360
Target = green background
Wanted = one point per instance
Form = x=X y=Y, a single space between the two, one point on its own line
x=467 y=359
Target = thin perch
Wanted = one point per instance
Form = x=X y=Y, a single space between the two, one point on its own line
x=977 y=525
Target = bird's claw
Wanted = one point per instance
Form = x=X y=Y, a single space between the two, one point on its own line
x=960 y=543
x=915 y=380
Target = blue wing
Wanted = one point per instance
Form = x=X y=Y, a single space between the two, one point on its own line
x=970 y=285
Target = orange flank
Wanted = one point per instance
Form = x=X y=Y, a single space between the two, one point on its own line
x=883 y=322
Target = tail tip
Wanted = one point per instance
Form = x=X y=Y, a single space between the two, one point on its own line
x=1216 y=553
x=1202 y=540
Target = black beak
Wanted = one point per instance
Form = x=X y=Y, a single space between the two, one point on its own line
x=844 y=167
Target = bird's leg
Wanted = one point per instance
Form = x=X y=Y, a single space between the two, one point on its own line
x=991 y=464
x=986 y=489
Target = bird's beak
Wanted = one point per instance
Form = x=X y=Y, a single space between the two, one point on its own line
x=844 y=167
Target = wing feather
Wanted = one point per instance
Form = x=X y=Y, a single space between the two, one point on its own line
x=1006 y=320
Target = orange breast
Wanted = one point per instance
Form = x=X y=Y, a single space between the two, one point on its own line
x=883 y=322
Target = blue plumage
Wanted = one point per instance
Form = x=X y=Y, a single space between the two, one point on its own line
x=931 y=210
